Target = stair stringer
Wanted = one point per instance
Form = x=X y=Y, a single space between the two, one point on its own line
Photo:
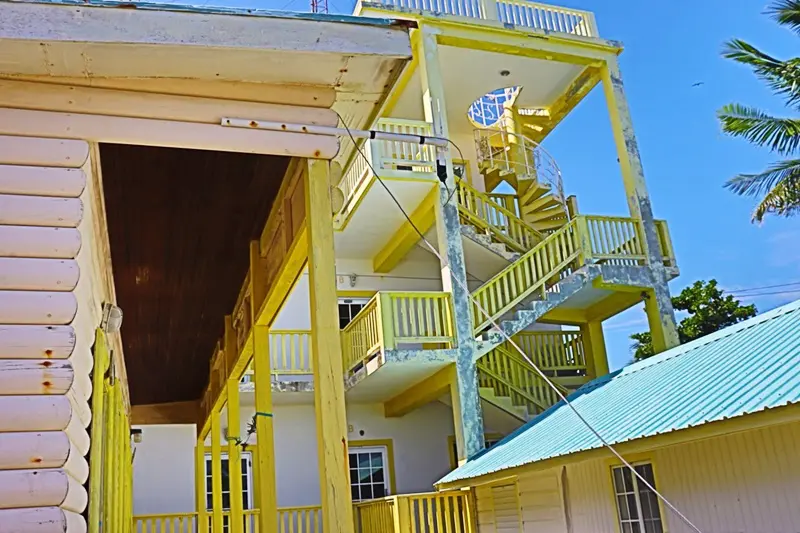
x=532 y=311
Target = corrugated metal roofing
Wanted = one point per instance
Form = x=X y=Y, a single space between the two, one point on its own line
x=743 y=369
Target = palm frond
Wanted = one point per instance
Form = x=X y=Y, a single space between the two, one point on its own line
x=782 y=200
x=787 y=13
x=763 y=183
x=783 y=77
x=781 y=135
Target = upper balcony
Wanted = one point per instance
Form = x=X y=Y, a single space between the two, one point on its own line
x=519 y=13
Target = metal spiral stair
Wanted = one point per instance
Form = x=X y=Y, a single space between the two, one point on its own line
x=530 y=170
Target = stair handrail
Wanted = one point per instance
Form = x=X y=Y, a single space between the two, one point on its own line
x=483 y=212
x=519 y=376
x=529 y=273
x=517 y=154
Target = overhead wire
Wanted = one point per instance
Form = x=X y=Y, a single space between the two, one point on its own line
x=508 y=339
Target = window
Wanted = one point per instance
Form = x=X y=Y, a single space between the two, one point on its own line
x=247 y=486
x=637 y=505
x=369 y=472
x=488 y=442
x=349 y=308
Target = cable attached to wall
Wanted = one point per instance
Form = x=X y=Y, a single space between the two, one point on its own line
x=516 y=347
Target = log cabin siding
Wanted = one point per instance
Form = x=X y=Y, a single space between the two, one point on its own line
x=54 y=278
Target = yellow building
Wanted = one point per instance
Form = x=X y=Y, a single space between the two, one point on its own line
x=204 y=172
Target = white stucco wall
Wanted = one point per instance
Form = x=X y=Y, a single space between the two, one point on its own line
x=164 y=465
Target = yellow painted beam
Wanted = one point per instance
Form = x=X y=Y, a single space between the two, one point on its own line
x=109 y=480
x=329 y=404
x=426 y=391
x=216 y=474
x=612 y=305
x=236 y=522
x=265 y=464
x=406 y=237
x=563 y=105
x=200 y=503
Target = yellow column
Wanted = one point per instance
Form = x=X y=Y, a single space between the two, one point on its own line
x=200 y=485
x=594 y=345
x=267 y=502
x=454 y=274
x=101 y=361
x=110 y=452
x=326 y=350
x=234 y=458
x=216 y=473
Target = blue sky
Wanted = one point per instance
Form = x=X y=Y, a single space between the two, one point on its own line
x=669 y=46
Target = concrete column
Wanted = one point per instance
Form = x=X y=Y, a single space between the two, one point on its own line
x=660 y=320
x=326 y=351
x=662 y=315
x=467 y=410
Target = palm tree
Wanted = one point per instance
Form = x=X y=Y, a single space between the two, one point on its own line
x=779 y=185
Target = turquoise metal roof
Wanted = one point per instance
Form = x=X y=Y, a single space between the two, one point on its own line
x=743 y=369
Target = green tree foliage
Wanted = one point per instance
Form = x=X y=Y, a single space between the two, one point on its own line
x=778 y=187
x=709 y=310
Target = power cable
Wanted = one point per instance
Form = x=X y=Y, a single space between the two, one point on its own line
x=736 y=291
x=508 y=339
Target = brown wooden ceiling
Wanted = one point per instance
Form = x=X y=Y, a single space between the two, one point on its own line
x=180 y=223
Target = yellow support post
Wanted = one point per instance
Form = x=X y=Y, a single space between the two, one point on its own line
x=661 y=330
x=101 y=360
x=329 y=404
x=108 y=460
x=234 y=458
x=594 y=345
x=267 y=498
x=200 y=485
x=216 y=474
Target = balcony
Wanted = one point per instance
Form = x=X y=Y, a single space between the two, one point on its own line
x=443 y=512
x=520 y=13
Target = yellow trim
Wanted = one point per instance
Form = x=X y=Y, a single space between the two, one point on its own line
x=252 y=449
x=406 y=236
x=634 y=460
x=451 y=444
x=778 y=415
x=356 y=294
x=389 y=444
x=467 y=169
x=267 y=502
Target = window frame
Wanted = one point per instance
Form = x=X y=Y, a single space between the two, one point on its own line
x=247 y=505
x=350 y=300
x=640 y=520
x=387 y=448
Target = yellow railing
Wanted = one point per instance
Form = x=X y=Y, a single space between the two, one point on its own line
x=509 y=375
x=389 y=157
x=165 y=523
x=533 y=272
x=300 y=519
x=290 y=520
x=664 y=240
x=585 y=239
x=438 y=512
x=615 y=240
x=290 y=351
x=392 y=319
x=509 y=201
x=517 y=12
x=552 y=350
x=503 y=225
x=111 y=470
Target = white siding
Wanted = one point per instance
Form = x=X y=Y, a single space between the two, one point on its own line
x=164 y=471
x=506 y=509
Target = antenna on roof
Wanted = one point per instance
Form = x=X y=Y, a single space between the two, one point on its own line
x=319 y=6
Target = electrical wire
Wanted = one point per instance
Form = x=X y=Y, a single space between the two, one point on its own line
x=737 y=291
x=508 y=339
